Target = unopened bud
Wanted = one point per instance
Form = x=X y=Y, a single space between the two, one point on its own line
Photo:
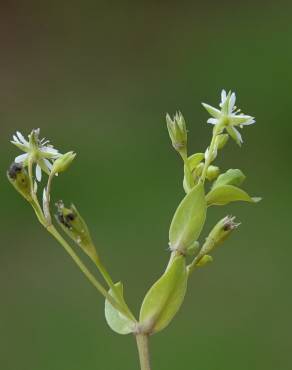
x=204 y=260
x=233 y=177
x=212 y=173
x=177 y=132
x=19 y=178
x=62 y=163
x=76 y=228
x=193 y=249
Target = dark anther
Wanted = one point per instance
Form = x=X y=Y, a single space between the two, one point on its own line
x=14 y=169
x=70 y=217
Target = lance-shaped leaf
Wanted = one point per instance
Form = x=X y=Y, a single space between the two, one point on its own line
x=188 y=219
x=225 y=194
x=231 y=177
x=164 y=298
x=115 y=319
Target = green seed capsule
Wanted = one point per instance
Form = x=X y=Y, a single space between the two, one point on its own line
x=76 y=228
x=19 y=178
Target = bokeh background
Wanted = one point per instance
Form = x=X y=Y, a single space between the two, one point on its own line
x=98 y=77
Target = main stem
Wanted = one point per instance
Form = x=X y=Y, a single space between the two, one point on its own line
x=143 y=349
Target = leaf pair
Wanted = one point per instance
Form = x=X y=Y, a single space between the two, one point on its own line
x=225 y=189
x=160 y=304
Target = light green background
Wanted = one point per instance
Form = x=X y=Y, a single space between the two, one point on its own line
x=98 y=78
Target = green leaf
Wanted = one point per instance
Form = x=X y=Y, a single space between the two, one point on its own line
x=193 y=161
x=231 y=177
x=116 y=320
x=165 y=297
x=225 y=194
x=189 y=219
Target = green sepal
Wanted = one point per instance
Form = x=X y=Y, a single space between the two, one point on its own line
x=188 y=220
x=231 y=177
x=115 y=319
x=164 y=298
x=18 y=177
x=225 y=194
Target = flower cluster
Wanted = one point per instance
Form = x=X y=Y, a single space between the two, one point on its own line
x=37 y=151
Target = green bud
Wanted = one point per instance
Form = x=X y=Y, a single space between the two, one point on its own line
x=218 y=234
x=76 y=228
x=204 y=260
x=212 y=173
x=221 y=140
x=177 y=132
x=62 y=163
x=231 y=177
x=19 y=178
x=193 y=249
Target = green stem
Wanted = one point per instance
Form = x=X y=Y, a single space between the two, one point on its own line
x=143 y=350
x=208 y=160
x=105 y=274
x=52 y=230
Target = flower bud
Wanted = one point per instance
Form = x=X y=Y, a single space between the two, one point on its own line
x=19 y=178
x=62 y=163
x=193 y=249
x=76 y=228
x=218 y=234
x=204 y=260
x=177 y=132
x=212 y=173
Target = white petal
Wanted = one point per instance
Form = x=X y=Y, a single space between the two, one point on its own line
x=223 y=96
x=232 y=102
x=213 y=121
x=249 y=122
x=21 y=137
x=45 y=196
x=38 y=173
x=239 y=137
x=49 y=150
x=48 y=164
x=15 y=138
x=35 y=187
x=21 y=158
x=241 y=119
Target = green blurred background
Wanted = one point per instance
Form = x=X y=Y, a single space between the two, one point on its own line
x=98 y=77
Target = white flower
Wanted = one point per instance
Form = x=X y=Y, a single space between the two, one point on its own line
x=39 y=151
x=229 y=116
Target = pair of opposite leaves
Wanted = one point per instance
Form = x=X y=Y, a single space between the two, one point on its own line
x=165 y=297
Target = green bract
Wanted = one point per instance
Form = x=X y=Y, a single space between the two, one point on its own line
x=165 y=297
x=221 y=195
x=231 y=177
x=116 y=320
x=188 y=219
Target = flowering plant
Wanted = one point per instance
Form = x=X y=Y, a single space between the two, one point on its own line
x=205 y=186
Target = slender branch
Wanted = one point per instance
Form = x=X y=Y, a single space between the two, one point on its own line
x=52 y=230
x=105 y=274
x=143 y=350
